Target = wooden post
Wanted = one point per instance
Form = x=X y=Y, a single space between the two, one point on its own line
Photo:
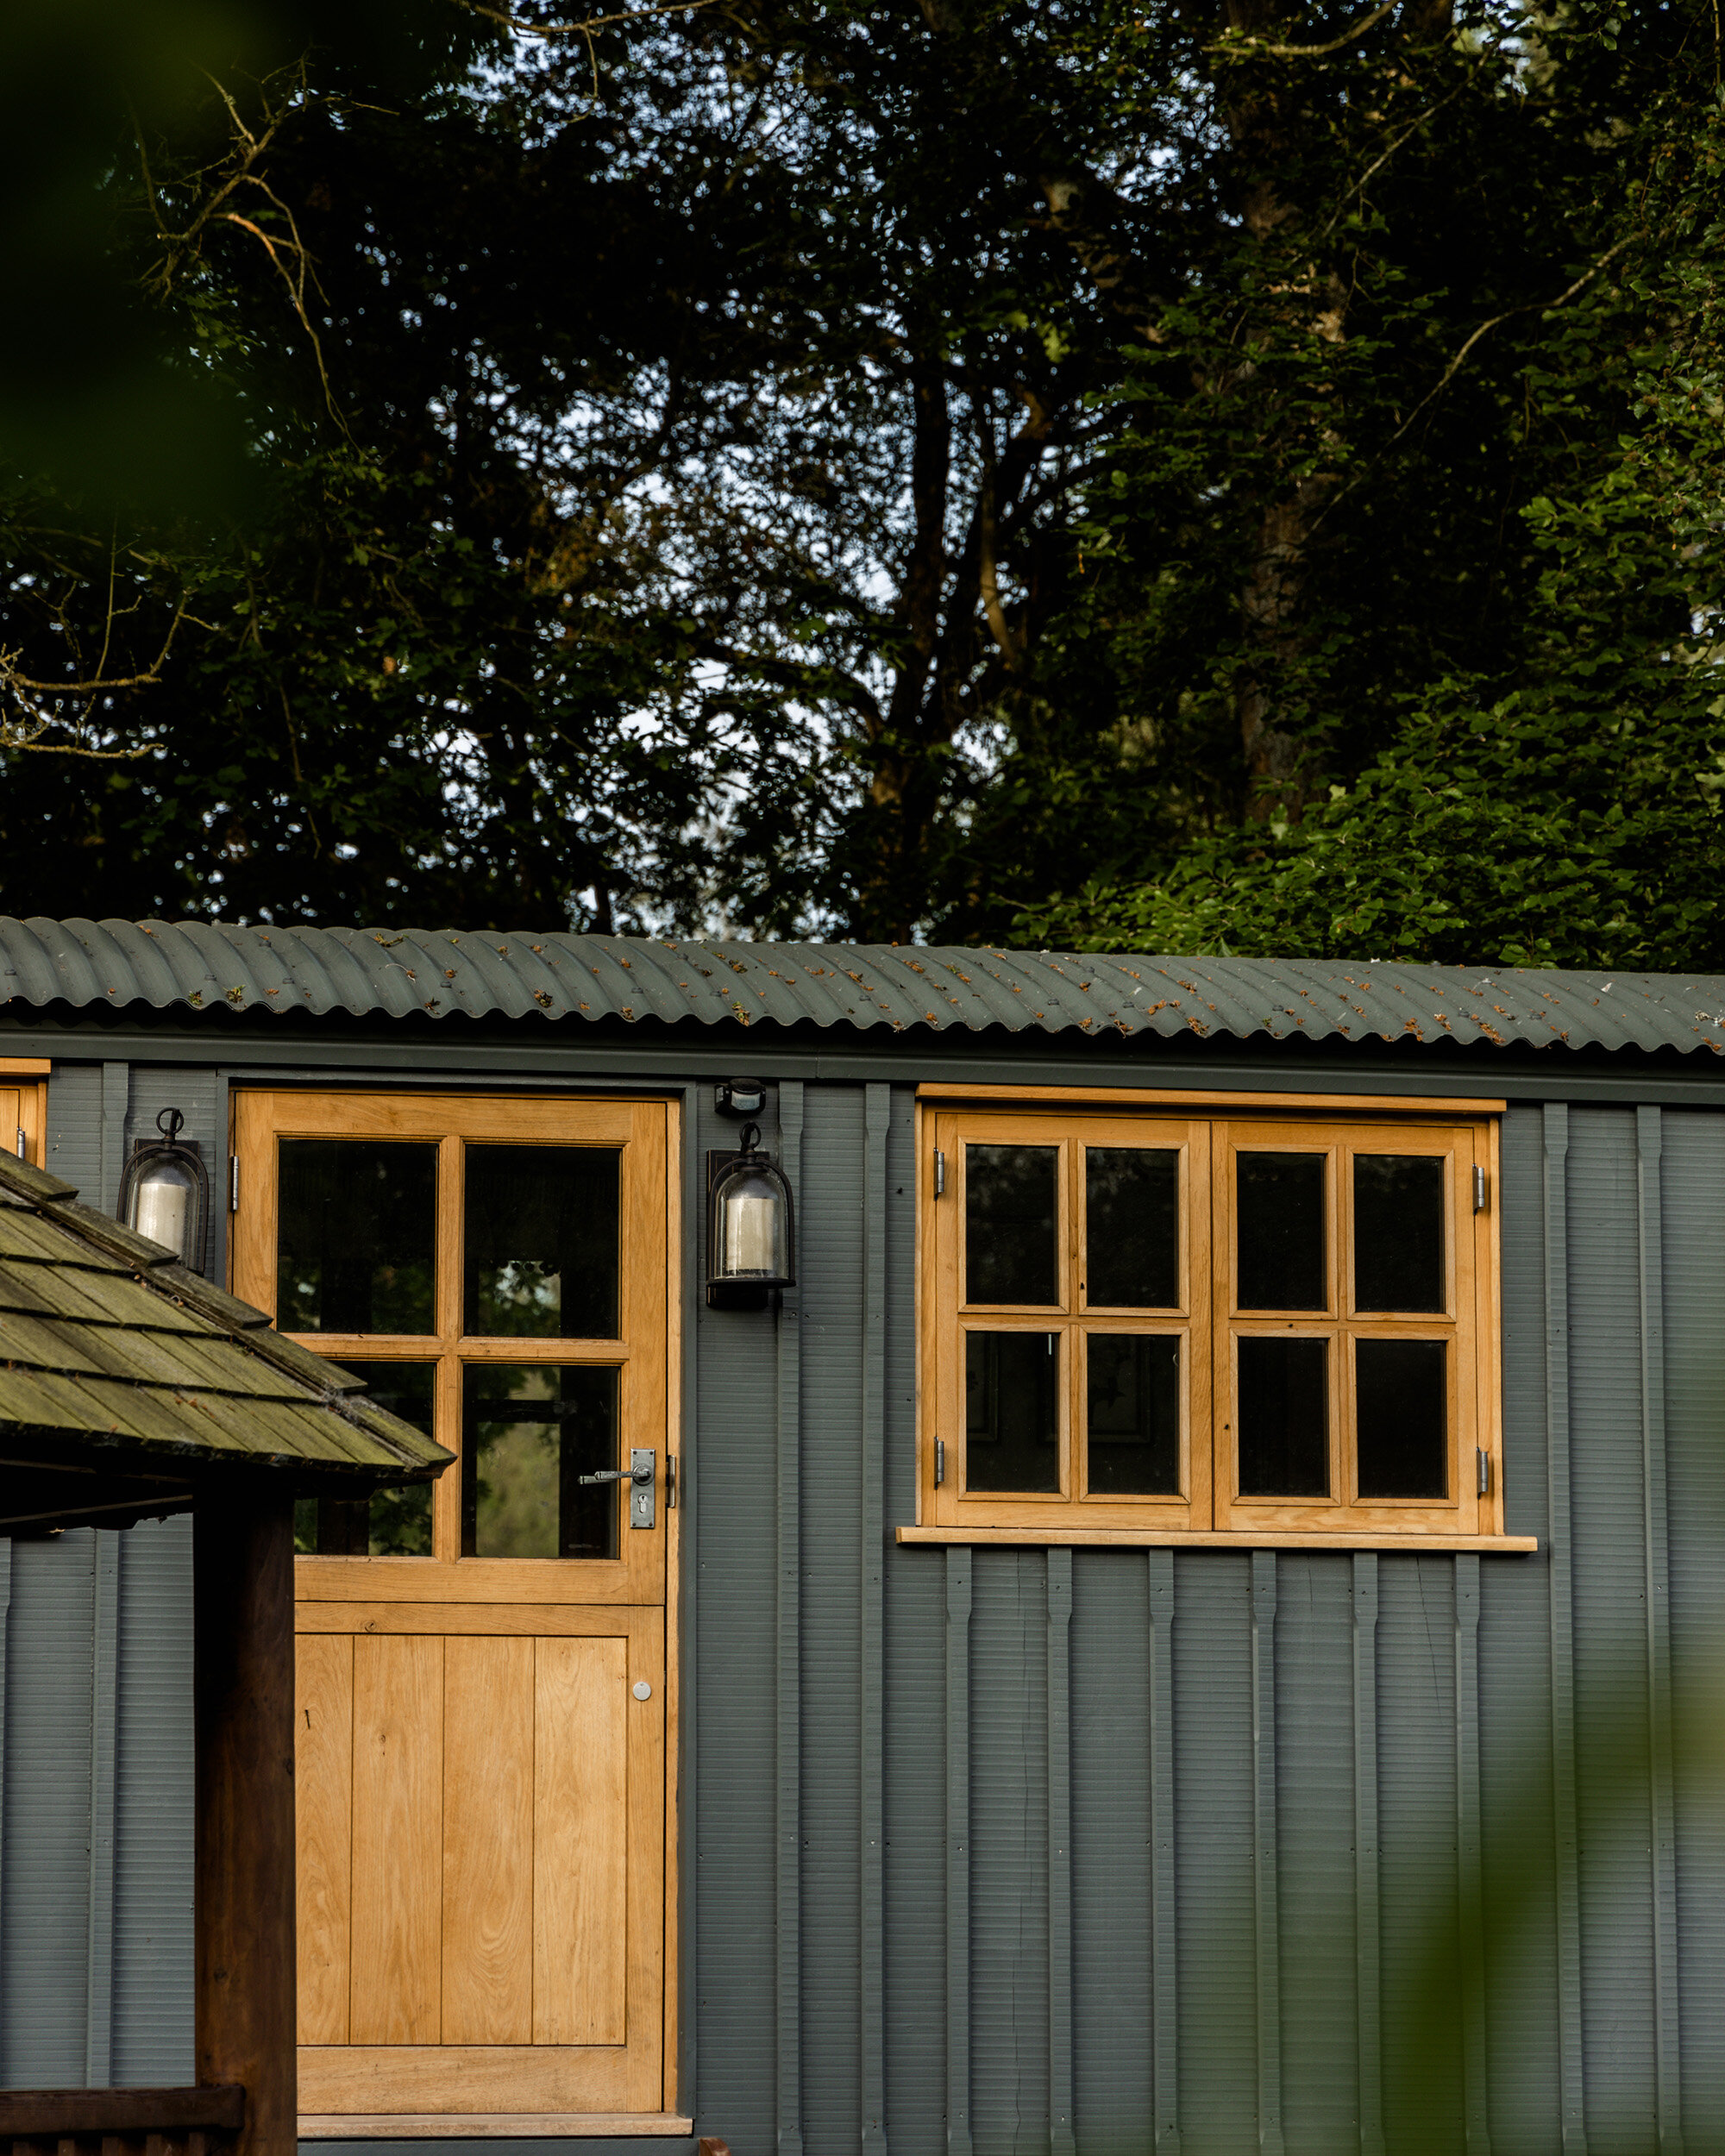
x=243 y=1619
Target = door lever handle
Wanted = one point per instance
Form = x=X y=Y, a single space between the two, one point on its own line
x=639 y=1476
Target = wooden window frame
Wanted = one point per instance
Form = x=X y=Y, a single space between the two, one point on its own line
x=642 y=1354
x=24 y=1107
x=1209 y=1131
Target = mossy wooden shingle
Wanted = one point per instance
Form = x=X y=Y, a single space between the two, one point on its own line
x=108 y=1342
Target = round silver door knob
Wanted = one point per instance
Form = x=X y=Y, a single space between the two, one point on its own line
x=644 y=1689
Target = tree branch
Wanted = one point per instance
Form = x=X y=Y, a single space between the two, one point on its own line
x=1260 y=48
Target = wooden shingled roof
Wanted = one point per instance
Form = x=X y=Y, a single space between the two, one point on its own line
x=117 y=1363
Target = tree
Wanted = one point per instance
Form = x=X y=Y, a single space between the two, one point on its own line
x=1498 y=656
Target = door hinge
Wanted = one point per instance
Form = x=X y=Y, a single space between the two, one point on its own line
x=1484 y=1469
x=233 y=1182
x=939 y=1175
x=24 y=1144
x=1479 y=1190
x=939 y=1462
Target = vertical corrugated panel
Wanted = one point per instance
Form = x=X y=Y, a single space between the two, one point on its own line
x=1417 y=1771
x=1610 y=1631
x=1009 y=2084
x=74 y=1149
x=1514 y=1695
x=1693 y=1191
x=830 y=1260
x=45 y=1840
x=1314 y=1778
x=735 y=1649
x=1213 y=1786
x=915 y=1711
x=872 y=1560
x=153 y=1950
x=788 y=1706
x=1111 y=1929
x=104 y=1735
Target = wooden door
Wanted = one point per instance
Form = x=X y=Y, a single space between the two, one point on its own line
x=483 y=1673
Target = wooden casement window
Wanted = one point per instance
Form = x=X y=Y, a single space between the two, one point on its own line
x=23 y=1103
x=1182 y=1324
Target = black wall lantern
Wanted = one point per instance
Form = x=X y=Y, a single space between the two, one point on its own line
x=751 y=1236
x=164 y=1193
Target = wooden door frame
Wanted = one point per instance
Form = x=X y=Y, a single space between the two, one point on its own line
x=673 y=2119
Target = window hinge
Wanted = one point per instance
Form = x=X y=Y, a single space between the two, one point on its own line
x=939 y=1462
x=233 y=1182
x=1479 y=1190
x=1484 y=1469
x=940 y=1175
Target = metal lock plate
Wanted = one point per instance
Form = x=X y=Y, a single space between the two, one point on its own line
x=641 y=1487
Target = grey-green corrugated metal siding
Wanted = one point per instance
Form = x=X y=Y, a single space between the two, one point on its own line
x=1097 y=1850
x=1201 y=1814
x=96 y=1856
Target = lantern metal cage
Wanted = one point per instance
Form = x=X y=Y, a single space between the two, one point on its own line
x=751 y=1227
x=165 y=1192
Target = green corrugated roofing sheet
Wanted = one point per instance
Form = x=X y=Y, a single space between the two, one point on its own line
x=105 y=1337
x=438 y=974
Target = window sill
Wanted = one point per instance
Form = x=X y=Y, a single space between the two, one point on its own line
x=494 y=2126
x=1214 y=1539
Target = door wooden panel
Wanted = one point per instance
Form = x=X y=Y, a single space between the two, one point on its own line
x=323 y=1791
x=488 y=1842
x=480 y=1824
x=580 y=1910
x=397 y=1816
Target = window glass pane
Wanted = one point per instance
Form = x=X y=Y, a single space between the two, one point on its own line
x=1398 y=1232
x=1012 y=1417
x=1009 y=1213
x=541 y=1241
x=1284 y=1418
x=356 y=1239
x=394 y=1523
x=1280 y=1199
x=1132 y=1232
x=529 y=1433
x=1403 y=1405
x=1133 y=1427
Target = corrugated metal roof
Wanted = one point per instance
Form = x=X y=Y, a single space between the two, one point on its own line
x=104 y=1334
x=207 y=965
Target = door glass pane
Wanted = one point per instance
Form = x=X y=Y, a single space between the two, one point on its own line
x=1132 y=1419
x=541 y=1241
x=356 y=1238
x=529 y=1433
x=1132 y=1232
x=1403 y=1403
x=1012 y=1415
x=1009 y=1215
x=1284 y=1418
x=1280 y=1199
x=394 y=1523
x=1398 y=1232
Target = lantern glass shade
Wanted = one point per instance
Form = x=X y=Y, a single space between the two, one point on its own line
x=752 y=1242
x=165 y=1194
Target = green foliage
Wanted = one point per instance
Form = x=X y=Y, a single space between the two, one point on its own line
x=1501 y=673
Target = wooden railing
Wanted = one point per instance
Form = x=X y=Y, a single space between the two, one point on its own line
x=120 y=2121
